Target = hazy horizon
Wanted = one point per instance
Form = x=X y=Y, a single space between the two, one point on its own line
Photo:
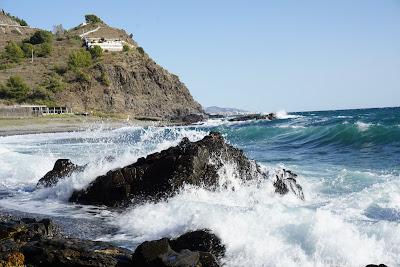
x=260 y=57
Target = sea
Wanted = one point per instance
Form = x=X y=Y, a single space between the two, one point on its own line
x=347 y=161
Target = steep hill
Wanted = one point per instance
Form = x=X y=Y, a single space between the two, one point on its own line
x=128 y=82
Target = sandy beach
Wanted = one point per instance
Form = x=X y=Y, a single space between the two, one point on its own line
x=21 y=126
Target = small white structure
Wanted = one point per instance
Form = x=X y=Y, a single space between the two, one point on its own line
x=105 y=44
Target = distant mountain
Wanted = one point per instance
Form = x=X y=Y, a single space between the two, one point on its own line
x=224 y=111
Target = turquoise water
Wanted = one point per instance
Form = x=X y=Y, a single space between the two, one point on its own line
x=348 y=164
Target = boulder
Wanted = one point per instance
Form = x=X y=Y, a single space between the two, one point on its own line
x=62 y=168
x=200 y=240
x=270 y=116
x=161 y=174
x=195 y=248
x=286 y=181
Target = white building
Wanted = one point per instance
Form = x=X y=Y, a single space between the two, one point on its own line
x=105 y=44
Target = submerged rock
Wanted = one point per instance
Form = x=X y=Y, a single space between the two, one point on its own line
x=270 y=116
x=162 y=174
x=198 y=248
x=62 y=168
x=286 y=181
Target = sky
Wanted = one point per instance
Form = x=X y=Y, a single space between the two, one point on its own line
x=256 y=55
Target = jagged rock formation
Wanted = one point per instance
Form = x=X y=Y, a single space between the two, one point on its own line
x=286 y=181
x=62 y=168
x=270 y=116
x=162 y=174
x=198 y=248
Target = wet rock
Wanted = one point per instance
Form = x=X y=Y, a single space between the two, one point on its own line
x=270 y=116
x=161 y=174
x=285 y=182
x=27 y=229
x=70 y=252
x=200 y=240
x=195 y=248
x=191 y=118
x=62 y=168
x=34 y=242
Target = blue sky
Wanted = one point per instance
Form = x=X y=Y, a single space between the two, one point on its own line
x=257 y=55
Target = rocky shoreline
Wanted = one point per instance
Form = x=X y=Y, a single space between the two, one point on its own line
x=40 y=242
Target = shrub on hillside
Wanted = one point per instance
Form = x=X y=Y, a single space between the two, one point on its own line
x=82 y=76
x=140 y=50
x=126 y=48
x=13 y=52
x=43 y=50
x=96 y=52
x=79 y=59
x=54 y=83
x=40 y=93
x=104 y=79
x=27 y=48
x=40 y=37
x=90 y=18
x=15 y=89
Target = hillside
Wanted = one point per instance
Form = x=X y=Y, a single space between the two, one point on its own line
x=64 y=73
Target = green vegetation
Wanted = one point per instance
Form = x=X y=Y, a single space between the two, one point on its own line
x=28 y=49
x=140 y=50
x=13 y=52
x=104 y=79
x=96 y=52
x=79 y=59
x=126 y=48
x=54 y=83
x=44 y=49
x=15 y=89
x=40 y=37
x=91 y=19
x=81 y=76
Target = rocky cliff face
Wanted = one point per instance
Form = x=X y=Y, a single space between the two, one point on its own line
x=137 y=86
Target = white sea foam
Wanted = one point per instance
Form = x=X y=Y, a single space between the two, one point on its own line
x=362 y=126
x=282 y=114
x=258 y=227
x=261 y=228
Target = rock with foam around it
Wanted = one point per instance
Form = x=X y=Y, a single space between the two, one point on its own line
x=62 y=168
x=162 y=174
x=286 y=182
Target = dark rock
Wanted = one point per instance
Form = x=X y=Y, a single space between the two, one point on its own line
x=159 y=253
x=27 y=229
x=191 y=249
x=200 y=240
x=70 y=252
x=32 y=242
x=285 y=182
x=376 y=265
x=270 y=116
x=161 y=174
x=62 y=168
x=190 y=118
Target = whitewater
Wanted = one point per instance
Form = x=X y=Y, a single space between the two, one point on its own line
x=348 y=165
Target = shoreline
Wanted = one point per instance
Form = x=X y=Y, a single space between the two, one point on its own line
x=40 y=125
